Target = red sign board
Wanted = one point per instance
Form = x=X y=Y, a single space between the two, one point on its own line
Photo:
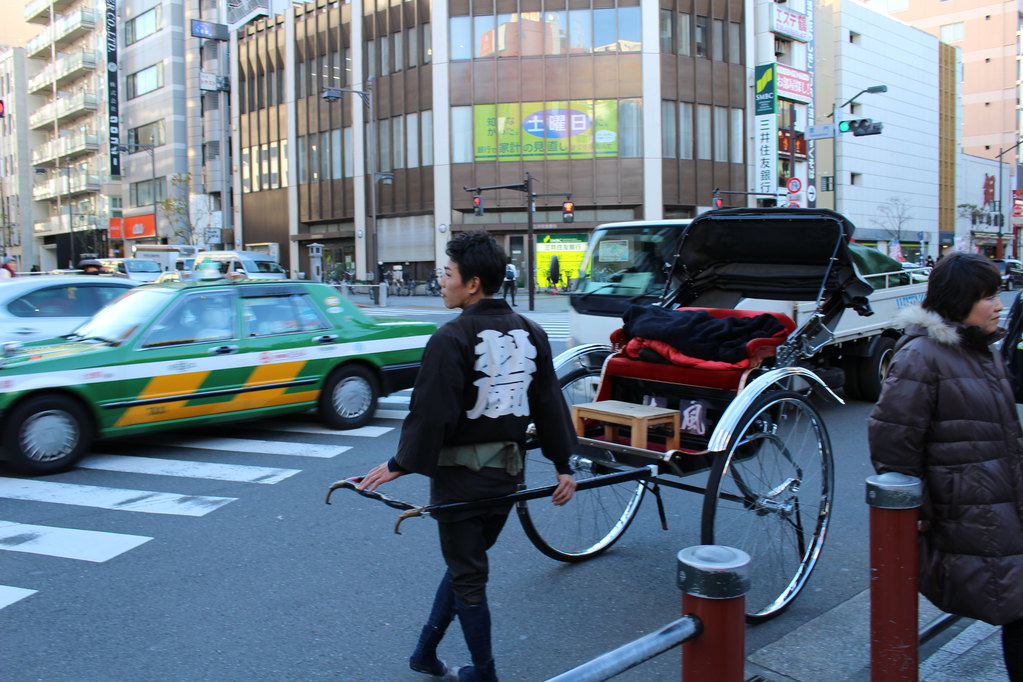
x=139 y=226
x=793 y=83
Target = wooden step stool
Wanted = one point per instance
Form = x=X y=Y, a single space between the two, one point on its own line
x=639 y=418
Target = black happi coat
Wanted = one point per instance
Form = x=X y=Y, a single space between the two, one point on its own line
x=484 y=377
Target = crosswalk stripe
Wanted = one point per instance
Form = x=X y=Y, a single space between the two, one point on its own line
x=67 y=543
x=9 y=595
x=395 y=400
x=241 y=473
x=363 y=432
x=391 y=414
x=262 y=447
x=120 y=499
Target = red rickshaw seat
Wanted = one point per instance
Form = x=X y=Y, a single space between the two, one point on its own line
x=705 y=374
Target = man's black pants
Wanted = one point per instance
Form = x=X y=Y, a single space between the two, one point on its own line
x=464 y=544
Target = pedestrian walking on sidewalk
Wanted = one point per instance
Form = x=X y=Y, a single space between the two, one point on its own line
x=511 y=276
x=484 y=377
x=947 y=416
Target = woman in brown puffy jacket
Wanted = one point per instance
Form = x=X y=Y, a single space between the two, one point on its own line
x=947 y=415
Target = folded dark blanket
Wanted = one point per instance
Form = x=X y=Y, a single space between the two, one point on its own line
x=697 y=333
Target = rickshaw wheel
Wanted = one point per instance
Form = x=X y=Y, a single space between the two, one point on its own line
x=595 y=518
x=591 y=522
x=770 y=494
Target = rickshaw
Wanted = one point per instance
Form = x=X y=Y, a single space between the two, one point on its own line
x=748 y=437
x=762 y=460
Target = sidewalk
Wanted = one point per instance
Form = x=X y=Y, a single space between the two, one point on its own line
x=836 y=646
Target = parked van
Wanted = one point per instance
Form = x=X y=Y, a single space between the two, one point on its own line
x=138 y=269
x=251 y=264
x=169 y=256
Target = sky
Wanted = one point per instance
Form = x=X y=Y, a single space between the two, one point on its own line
x=14 y=30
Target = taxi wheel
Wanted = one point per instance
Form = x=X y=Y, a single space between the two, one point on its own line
x=349 y=398
x=46 y=434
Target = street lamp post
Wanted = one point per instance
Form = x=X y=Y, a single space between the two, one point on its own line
x=332 y=95
x=838 y=135
x=999 y=245
x=131 y=148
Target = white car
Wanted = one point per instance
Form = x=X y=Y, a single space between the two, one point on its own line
x=47 y=306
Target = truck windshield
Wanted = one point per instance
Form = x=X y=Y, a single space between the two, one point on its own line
x=628 y=260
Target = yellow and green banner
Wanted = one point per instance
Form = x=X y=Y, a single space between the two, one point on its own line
x=576 y=129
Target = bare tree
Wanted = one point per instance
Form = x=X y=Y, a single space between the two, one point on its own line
x=177 y=210
x=895 y=216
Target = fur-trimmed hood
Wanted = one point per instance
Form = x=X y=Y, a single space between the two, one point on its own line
x=918 y=321
x=927 y=323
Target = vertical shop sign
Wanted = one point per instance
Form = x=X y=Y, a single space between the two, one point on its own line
x=766 y=130
x=811 y=112
x=113 y=104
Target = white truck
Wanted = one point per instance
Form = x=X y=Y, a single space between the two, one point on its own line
x=178 y=257
x=629 y=263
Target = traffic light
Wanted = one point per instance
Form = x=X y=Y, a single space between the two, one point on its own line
x=477 y=204
x=568 y=212
x=718 y=201
x=3 y=108
x=860 y=127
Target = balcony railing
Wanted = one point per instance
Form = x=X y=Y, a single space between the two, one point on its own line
x=81 y=183
x=63 y=109
x=72 y=145
x=68 y=28
x=64 y=70
x=38 y=11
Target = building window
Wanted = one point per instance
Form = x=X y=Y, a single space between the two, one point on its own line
x=412 y=140
x=398 y=144
x=734 y=43
x=717 y=40
x=349 y=152
x=144 y=81
x=630 y=128
x=685 y=35
x=736 y=141
x=384 y=141
x=669 y=130
x=142 y=193
x=142 y=26
x=704 y=132
x=461 y=38
x=685 y=131
x=246 y=183
x=701 y=36
x=721 y=134
x=461 y=134
x=427 y=127
x=952 y=33
x=150 y=134
x=667 y=32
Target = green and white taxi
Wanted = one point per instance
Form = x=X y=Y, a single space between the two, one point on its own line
x=189 y=353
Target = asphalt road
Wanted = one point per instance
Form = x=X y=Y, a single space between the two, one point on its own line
x=244 y=574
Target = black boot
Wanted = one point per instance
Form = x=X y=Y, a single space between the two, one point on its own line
x=424 y=658
x=475 y=620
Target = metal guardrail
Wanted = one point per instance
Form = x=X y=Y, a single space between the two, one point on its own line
x=714 y=581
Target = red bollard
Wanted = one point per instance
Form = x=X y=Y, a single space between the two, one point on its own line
x=714 y=581
x=894 y=501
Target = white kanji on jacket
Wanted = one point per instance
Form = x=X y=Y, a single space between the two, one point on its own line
x=507 y=363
